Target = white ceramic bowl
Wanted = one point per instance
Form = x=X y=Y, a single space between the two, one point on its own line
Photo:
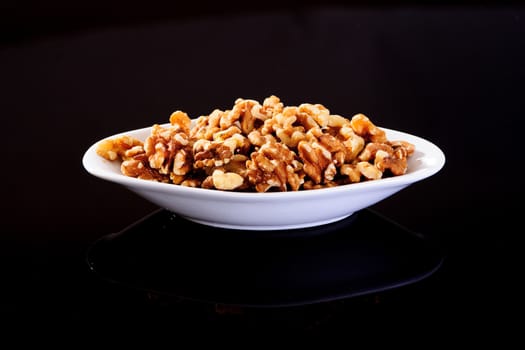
x=275 y=210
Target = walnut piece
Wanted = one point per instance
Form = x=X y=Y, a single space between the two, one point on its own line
x=226 y=181
x=113 y=149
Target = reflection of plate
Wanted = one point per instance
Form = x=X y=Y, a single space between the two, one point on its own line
x=362 y=254
x=271 y=211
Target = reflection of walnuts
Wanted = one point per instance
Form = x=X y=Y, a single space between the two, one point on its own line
x=262 y=147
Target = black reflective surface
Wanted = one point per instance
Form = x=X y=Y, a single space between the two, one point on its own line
x=165 y=254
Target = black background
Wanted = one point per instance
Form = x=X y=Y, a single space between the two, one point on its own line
x=72 y=74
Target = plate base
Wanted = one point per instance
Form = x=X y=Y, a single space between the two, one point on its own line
x=268 y=227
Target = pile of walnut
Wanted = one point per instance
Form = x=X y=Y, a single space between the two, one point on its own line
x=261 y=148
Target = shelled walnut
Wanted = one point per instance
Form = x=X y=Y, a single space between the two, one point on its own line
x=260 y=148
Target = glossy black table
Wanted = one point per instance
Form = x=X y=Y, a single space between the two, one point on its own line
x=168 y=255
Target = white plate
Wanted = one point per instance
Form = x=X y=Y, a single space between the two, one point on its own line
x=273 y=210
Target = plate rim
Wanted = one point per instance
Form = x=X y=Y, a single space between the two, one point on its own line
x=433 y=152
